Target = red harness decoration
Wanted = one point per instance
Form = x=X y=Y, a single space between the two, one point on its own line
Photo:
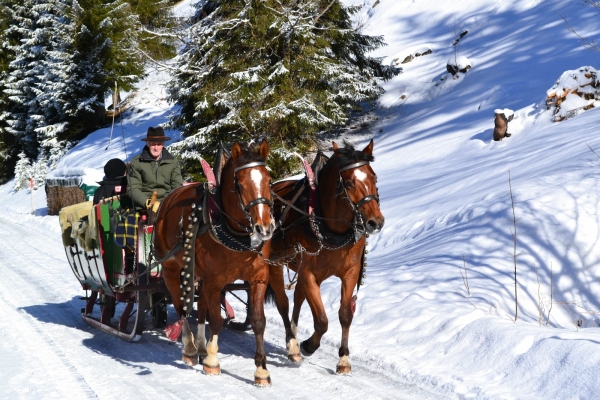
x=312 y=191
x=208 y=172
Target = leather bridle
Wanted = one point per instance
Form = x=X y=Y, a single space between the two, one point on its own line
x=365 y=199
x=260 y=200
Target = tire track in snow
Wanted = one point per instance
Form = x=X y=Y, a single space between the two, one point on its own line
x=10 y=260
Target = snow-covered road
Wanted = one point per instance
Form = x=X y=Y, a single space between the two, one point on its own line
x=48 y=352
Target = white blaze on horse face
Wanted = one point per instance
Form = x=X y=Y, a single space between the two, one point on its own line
x=257 y=178
x=359 y=175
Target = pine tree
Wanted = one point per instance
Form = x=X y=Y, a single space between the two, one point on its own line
x=156 y=18
x=22 y=172
x=9 y=149
x=106 y=51
x=283 y=68
x=22 y=76
x=39 y=171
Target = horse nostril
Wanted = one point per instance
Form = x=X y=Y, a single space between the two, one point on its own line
x=374 y=226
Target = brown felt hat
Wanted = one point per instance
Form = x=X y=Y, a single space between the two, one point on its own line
x=156 y=134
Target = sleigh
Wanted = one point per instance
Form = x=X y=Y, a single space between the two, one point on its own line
x=122 y=284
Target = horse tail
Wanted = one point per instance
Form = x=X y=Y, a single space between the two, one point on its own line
x=269 y=295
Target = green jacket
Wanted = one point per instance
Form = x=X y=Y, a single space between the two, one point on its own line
x=147 y=175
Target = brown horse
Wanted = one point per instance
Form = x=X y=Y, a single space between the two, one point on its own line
x=233 y=246
x=331 y=242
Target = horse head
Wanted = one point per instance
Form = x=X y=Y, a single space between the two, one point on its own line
x=246 y=191
x=349 y=173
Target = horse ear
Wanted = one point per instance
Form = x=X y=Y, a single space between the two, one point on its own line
x=369 y=149
x=264 y=149
x=236 y=150
x=335 y=146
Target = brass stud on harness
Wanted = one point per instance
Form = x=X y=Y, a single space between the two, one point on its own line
x=187 y=276
x=365 y=264
x=184 y=308
x=182 y=298
x=182 y=273
x=186 y=253
x=366 y=251
x=193 y=205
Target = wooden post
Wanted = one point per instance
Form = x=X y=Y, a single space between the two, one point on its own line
x=31 y=190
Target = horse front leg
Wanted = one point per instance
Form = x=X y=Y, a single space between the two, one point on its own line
x=345 y=315
x=283 y=306
x=312 y=291
x=262 y=377
x=210 y=363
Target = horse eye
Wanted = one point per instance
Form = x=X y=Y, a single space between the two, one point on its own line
x=348 y=184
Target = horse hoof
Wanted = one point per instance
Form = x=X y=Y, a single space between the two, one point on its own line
x=190 y=360
x=343 y=370
x=208 y=370
x=262 y=382
x=305 y=352
x=295 y=358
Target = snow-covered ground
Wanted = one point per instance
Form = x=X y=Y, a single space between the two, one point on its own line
x=435 y=318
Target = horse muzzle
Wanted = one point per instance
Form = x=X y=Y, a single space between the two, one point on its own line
x=374 y=225
x=264 y=232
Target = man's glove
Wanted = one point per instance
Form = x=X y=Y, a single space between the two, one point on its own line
x=155 y=206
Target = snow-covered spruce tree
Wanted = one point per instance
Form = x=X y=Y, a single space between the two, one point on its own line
x=39 y=171
x=106 y=51
x=8 y=148
x=53 y=91
x=286 y=69
x=22 y=172
x=157 y=20
x=22 y=77
x=36 y=82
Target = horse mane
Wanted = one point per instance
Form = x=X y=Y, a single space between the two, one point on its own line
x=347 y=154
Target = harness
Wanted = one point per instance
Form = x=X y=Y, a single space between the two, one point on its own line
x=220 y=229
x=314 y=225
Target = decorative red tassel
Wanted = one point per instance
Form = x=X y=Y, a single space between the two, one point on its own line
x=174 y=330
x=353 y=304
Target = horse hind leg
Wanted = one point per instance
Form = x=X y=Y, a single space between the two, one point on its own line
x=201 y=331
x=321 y=323
x=283 y=306
x=210 y=363
x=189 y=352
x=171 y=276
